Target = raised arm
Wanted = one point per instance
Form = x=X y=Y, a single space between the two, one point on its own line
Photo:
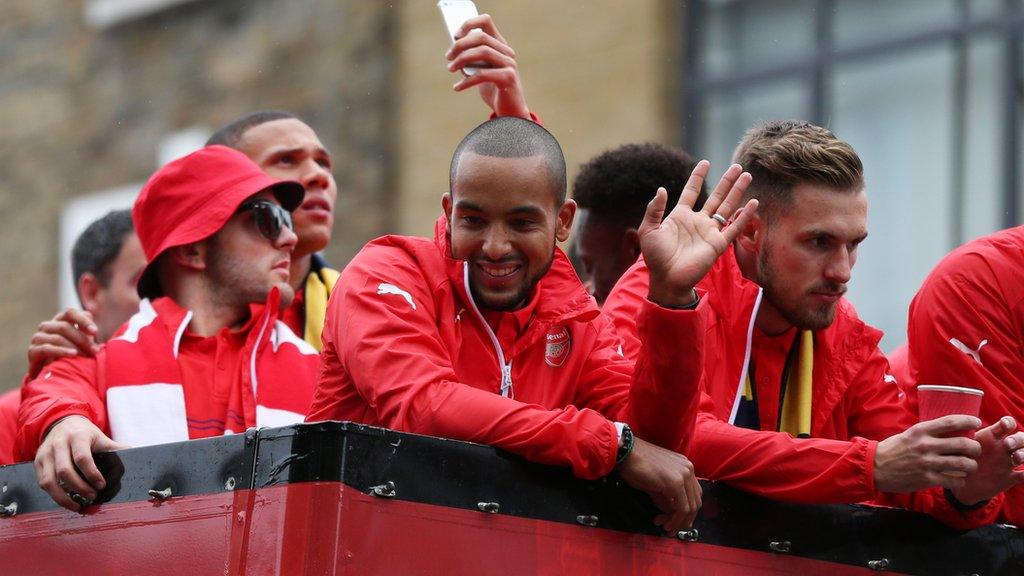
x=479 y=42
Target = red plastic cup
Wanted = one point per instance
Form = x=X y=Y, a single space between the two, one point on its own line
x=935 y=401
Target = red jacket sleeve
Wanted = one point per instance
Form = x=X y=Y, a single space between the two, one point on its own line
x=776 y=465
x=958 y=302
x=663 y=383
x=9 y=403
x=965 y=300
x=64 y=388
x=400 y=366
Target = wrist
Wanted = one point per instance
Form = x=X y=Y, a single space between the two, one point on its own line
x=675 y=300
x=625 y=443
x=963 y=503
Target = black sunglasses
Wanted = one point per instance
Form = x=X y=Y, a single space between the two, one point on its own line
x=270 y=218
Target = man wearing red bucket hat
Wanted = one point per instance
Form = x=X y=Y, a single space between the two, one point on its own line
x=206 y=354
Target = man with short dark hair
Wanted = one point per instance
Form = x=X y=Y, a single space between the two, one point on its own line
x=205 y=355
x=612 y=191
x=485 y=334
x=799 y=402
x=105 y=263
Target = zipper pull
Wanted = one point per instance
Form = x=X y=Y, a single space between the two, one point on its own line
x=506 y=380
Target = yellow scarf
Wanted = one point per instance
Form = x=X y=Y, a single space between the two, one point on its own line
x=319 y=284
x=795 y=417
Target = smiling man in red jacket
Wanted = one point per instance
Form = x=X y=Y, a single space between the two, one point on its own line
x=799 y=402
x=486 y=334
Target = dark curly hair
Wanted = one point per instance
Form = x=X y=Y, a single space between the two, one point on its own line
x=618 y=184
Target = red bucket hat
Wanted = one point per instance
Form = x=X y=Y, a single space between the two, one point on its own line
x=193 y=197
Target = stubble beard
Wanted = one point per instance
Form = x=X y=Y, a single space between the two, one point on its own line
x=519 y=298
x=234 y=283
x=812 y=316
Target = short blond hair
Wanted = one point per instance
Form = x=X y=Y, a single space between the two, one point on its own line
x=785 y=153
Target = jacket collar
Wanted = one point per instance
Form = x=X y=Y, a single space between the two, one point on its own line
x=734 y=299
x=563 y=296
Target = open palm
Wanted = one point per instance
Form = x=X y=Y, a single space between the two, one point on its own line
x=681 y=248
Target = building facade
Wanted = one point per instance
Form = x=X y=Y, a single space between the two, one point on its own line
x=97 y=94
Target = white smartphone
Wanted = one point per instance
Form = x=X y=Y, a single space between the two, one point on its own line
x=455 y=13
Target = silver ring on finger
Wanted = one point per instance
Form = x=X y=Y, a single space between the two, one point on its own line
x=720 y=219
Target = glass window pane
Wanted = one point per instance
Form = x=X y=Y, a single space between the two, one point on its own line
x=860 y=22
x=726 y=116
x=981 y=9
x=905 y=142
x=982 y=169
x=744 y=35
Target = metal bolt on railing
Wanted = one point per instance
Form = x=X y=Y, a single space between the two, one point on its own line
x=690 y=535
x=882 y=564
x=161 y=495
x=780 y=546
x=489 y=507
x=587 y=520
x=385 y=490
x=8 y=510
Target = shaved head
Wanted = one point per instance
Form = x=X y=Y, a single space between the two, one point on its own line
x=512 y=137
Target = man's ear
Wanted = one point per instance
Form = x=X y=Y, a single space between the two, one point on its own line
x=89 y=292
x=752 y=235
x=446 y=205
x=192 y=256
x=631 y=243
x=566 y=214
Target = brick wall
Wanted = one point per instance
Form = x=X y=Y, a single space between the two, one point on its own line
x=83 y=110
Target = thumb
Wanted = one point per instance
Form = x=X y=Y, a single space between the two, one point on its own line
x=105 y=444
x=1001 y=429
x=655 y=212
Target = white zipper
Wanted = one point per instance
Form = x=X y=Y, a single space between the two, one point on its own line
x=506 y=369
x=746 y=359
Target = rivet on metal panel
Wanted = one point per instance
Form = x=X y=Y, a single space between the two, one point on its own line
x=489 y=507
x=161 y=495
x=879 y=565
x=385 y=490
x=229 y=484
x=587 y=520
x=781 y=546
x=690 y=535
x=8 y=510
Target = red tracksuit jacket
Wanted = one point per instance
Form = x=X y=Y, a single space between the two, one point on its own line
x=405 y=347
x=966 y=328
x=855 y=403
x=135 y=392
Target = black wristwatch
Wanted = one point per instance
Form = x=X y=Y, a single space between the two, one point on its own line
x=626 y=440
